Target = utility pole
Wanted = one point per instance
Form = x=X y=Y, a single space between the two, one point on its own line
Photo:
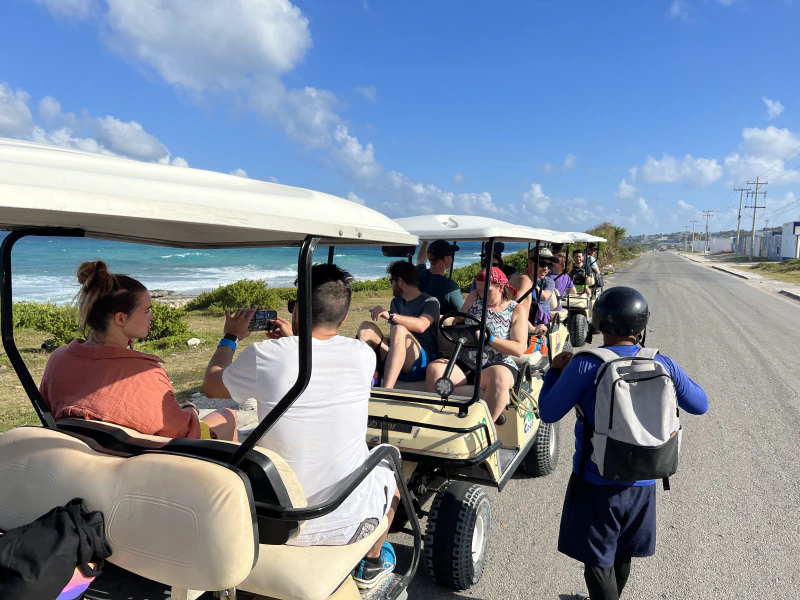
x=685 y=235
x=755 y=208
x=707 y=215
x=739 y=221
x=694 y=220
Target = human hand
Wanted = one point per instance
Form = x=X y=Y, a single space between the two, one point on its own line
x=130 y=343
x=237 y=323
x=561 y=360
x=379 y=313
x=284 y=329
x=541 y=328
x=191 y=407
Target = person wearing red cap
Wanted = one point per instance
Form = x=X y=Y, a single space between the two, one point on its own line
x=507 y=325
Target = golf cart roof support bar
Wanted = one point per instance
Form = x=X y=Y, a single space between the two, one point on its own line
x=331 y=250
x=453 y=264
x=476 y=394
x=7 y=316
x=304 y=264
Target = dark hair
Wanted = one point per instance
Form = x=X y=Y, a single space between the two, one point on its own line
x=498 y=257
x=402 y=269
x=578 y=251
x=330 y=294
x=103 y=294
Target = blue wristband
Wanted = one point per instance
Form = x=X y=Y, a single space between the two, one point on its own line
x=491 y=339
x=228 y=343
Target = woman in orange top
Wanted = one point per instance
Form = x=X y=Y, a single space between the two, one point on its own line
x=105 y=379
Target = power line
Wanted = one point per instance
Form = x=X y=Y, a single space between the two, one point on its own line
x=787 y=172
x=739 y=220
x=781 y=162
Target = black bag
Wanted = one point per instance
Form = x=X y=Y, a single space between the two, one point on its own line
x=37 y=560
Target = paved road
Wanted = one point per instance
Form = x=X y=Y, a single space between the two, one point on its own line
x=729 y=527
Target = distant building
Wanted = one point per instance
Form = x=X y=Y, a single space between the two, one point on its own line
x=790 y=240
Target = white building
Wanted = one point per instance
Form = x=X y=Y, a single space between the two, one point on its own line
x=790 y=240
x=720 y=244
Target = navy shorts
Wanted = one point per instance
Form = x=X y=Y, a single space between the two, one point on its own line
x=600 y=522
x=417 y=372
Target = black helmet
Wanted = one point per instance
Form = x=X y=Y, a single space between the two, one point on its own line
x=620 y=311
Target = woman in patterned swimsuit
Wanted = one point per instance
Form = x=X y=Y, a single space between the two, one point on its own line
x=507 y=323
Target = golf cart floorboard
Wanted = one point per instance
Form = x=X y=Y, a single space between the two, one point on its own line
x=384 y=589
x=506 y=456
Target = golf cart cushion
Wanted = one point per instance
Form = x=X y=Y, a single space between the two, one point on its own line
x=272 y=481
x=577 y=302
x=554 y=300
x=531 y=359
x=176 y=520
x=562 y=314
x=306 y=572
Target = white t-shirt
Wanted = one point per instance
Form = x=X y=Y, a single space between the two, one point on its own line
x=322 y=436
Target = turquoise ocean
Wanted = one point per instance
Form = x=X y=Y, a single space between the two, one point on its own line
x=44 y=268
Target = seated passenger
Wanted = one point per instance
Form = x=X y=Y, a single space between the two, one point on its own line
x=507 y=322
x=541 y=293
x=322 y=436
x=592 y=266
x=433 y=281
x=413 y=318
x=563 y=282
x=104 y=379
x=579 y=273
x=497 y=261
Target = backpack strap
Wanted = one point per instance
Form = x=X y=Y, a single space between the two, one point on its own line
x=647 y=353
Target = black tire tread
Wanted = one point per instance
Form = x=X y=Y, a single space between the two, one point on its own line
x=448 y=534
x=538 y=461
x=578 y=330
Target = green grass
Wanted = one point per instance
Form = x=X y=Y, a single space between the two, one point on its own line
x=184 y=366
x=788 y=270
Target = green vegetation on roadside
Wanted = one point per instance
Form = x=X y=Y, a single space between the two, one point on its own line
x=788 y=270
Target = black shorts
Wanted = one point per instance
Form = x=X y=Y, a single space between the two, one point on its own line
x=471 y=374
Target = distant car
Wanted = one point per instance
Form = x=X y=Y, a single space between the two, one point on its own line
x=662 y=249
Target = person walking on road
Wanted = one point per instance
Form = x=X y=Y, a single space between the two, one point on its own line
x=607 y=520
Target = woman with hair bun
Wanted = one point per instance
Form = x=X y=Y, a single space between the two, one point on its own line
x=103 y=378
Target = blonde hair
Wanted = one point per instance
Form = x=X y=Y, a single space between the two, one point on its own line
x=104 y=294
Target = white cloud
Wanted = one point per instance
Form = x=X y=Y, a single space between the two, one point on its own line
x=411 y=197
x=15 y=116
x=459 y=178
x=535 y=200
x=774 y=108
x=625 y=190
x=686 y=207
x=49 y=108
x=274 y=179
x=694 y=172
x=353 y=198
x=763 y=152
x=570 y=162
x=179 y=162
x=549 y=168
x=679 y=9
x=369 y=92
x=239 y=173
x=223 y=45
x=645 y=211
x=73 y=9
x=129 y=139
x=358 y=158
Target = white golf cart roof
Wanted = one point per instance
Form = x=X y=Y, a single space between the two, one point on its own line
x=579 y=236
x=470 y=228
x=127 y=200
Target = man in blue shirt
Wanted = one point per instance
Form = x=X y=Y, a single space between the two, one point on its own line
x=605 y=523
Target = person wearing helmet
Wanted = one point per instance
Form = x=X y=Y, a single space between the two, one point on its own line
x=604 y=523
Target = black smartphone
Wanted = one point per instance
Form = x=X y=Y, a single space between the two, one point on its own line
x=261 y=320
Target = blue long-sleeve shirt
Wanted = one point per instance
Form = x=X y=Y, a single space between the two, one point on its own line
x=575 y=385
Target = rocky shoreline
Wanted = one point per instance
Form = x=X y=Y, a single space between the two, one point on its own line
x=170 y=298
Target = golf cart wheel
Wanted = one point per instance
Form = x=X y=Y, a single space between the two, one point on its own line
x=457 y=535
x=578 y=328
x=542 y=458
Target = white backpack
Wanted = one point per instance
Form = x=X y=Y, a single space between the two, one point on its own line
x=637 y=430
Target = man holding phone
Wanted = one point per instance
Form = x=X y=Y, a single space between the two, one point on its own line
x=322 y=436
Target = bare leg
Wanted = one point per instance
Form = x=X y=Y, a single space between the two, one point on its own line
x=224 y=423
x=375 y=551
x=436 y=369
x=495 y=383
x=404 y=350
x=372 y=336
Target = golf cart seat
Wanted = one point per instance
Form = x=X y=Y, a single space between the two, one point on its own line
x=173 y=519
x=276 y=572
x=579 y=301
x=562 y=314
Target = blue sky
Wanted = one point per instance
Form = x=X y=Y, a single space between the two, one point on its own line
x=554 y=114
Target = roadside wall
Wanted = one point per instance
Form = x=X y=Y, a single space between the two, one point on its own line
x=721 y=244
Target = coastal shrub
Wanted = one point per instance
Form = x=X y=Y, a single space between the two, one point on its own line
x=245 y=292
x=168 y=322
x=374 y=285
x=60 y=321
x=782 y=267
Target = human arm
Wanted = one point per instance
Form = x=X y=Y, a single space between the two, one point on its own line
x=518 y=342
x=454 y=300
x=691 y=397
x=547 y=286
x=422 y=253
x=565 y=384
x=237 y=324
x=522 y=283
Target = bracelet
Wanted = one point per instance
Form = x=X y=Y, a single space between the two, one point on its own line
x=491 y=339
x=228 y=343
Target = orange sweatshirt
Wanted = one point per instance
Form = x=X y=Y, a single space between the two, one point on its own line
x=115 y=385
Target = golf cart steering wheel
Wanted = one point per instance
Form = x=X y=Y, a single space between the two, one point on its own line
x=467 y=331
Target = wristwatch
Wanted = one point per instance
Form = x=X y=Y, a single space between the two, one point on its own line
x=231 y=337
x=391 y=318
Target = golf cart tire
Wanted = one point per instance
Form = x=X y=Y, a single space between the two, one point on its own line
x=578 y=329
x=542 y=458
x=460 y=514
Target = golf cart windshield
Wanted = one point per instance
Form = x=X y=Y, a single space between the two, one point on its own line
x=49 y=191
x=470 y=228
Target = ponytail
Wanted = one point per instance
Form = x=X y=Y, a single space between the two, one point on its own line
x=103 y=294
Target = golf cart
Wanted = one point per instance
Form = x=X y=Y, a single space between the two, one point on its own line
x=196 y=515
x=577 y=309
x=449 y=443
